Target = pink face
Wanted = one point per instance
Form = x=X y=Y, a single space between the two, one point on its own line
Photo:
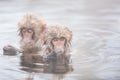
x=27 y=34
x=58 y=42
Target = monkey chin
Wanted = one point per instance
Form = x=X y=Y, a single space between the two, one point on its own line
x=59 y=50
x=27 y=40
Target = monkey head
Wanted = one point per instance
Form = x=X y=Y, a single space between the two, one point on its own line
x=58 y=32
x=30 y=27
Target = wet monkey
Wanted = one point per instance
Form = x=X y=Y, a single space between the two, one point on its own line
x=31 y=29
x=58 y=52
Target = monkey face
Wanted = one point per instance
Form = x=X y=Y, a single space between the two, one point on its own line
x=58 y=42
x=27 y=34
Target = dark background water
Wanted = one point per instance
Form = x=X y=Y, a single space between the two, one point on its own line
x=96 y=36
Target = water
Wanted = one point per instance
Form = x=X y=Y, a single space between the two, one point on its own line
x=96 y=36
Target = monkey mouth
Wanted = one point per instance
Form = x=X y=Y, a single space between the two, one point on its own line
x=59 y=50
x=27 y=40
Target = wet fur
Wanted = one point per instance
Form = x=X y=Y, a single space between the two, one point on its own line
x=31 y=48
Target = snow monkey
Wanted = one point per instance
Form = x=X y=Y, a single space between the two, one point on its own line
x=58 y=41
x=31 y=29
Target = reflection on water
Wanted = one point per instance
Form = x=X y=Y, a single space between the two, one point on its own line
x=96 y=40
x=30 y=76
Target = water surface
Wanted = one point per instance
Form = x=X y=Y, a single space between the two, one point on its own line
x=96 y=36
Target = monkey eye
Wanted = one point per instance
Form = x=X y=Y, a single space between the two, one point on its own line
x=27 y=30
x=62 y=38
x=30 y=31
x=56 y=39
x=24 y=30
